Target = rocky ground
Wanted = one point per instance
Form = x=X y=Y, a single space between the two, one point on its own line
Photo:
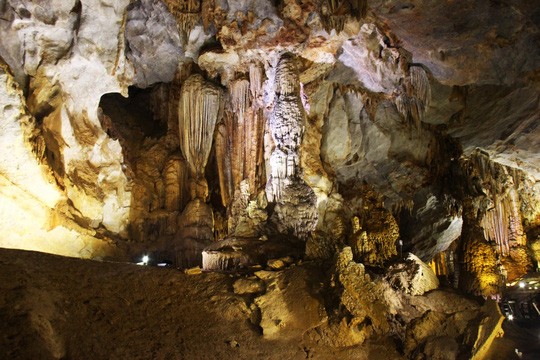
x=54 y=307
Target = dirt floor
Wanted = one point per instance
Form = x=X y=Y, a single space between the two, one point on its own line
x=54 y=307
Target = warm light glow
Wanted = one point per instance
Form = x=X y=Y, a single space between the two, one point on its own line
x=522 y=284
x=510 y=317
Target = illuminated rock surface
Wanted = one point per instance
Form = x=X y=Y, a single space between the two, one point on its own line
x=308 y=145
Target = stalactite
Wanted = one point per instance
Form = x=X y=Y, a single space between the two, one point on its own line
x=199 y=109
x=238 y=129
x=415 y=95
x=501 y=220
x=223 y=160
x=198 y=112
x=256 y=74
x=335 y=12
x=421 y=86
x=187 y=13
x=175 y=90
x=239 y=141
x=240 y=100
x=498 y=212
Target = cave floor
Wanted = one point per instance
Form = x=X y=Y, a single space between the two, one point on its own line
x=57 y=307
x=54 y=307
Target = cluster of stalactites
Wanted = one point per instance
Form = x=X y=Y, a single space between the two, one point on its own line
x=335 y=12
x=374 y=243
x=187 y=13
x=199 y=110
x=239 y=139
x=415 y=95
x=501 y=220
x=502 y=223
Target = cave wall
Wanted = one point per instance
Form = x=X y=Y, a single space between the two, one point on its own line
x=331 y=126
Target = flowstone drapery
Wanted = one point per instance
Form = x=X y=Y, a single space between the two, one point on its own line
x=239 y=138
x=199 y=110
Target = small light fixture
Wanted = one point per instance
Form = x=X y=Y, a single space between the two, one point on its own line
x=522 y=284
x=510 y=317
x=145 y=259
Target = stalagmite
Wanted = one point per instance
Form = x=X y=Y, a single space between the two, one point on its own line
x=374 y=236
x=287 y=127
x=295 y=210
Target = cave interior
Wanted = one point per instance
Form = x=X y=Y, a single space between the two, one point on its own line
x=322 y=179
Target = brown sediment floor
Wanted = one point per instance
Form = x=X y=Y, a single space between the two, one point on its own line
x=65 y=308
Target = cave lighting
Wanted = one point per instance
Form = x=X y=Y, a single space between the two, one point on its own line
x=510 y=317
x=144 y=260
x=522 y=284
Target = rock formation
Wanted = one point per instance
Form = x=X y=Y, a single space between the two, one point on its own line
x=199 y=109
x=295 y=211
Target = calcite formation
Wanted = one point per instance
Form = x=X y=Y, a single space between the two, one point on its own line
x=413 y=276
x=295 y=210
x=239 y=138
x=199 y=109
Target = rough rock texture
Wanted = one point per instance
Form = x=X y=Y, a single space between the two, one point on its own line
x=34 y=212
x=295 y=211
x=290 y=307
x=413 y=276
x=66 y=103
x=153 y=42
x=470 y=42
